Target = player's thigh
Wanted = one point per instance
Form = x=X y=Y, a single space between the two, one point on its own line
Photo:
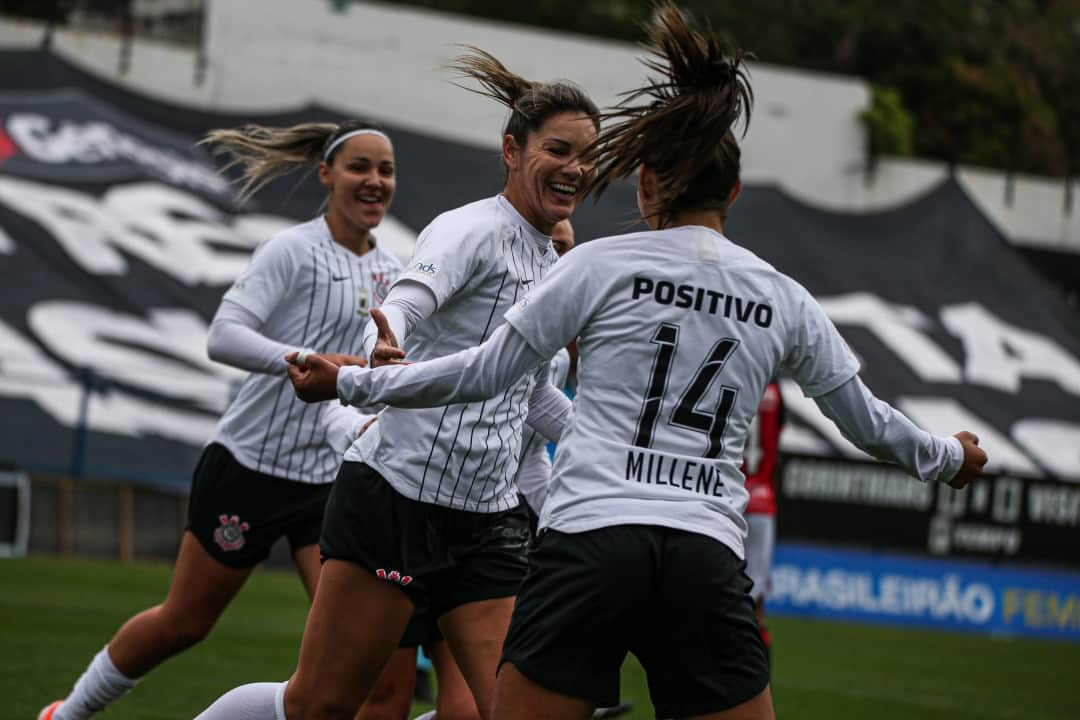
x=391 y=697
x=201 y=586
x=308 y=561
x=353 y=629
x=759 y=707
x=455 y=700
x=475 y=633
x=519 y=698
x=581 y=602
x=709 y=656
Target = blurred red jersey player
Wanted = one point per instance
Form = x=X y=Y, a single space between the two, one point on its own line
x=760 y=461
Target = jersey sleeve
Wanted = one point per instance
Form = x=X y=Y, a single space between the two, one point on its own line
x=555 y=312
x=445 y=257
x=819 y=359
x=266 y=280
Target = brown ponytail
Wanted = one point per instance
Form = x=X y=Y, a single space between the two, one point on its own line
x=679 y=125
x=265 y=153
x=530 y=103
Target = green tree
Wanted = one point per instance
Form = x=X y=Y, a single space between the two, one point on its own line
x=889 y=125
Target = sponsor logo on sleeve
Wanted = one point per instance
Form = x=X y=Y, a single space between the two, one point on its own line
x=428 y=269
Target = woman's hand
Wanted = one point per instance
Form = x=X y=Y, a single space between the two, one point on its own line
x=974 y=460
x=386 y=350
x=341 y=359
x=313 y=376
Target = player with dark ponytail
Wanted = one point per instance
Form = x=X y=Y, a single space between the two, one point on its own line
x=679 y=330
x=424 y=512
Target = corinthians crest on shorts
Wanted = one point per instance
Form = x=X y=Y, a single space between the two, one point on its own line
x=230 y=534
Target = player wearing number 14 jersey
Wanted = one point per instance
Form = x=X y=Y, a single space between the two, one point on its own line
x=678 y=331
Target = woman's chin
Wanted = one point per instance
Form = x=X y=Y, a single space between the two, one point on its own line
x=559 y=212
x=368 y=221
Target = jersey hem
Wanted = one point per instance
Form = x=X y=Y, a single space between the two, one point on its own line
x=730 y=540
x=248 y=462
x=406 y=488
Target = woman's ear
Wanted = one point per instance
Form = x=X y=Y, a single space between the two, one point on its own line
x=510 y=152
x=735 y=191
x=324 y=175
x=646 y=184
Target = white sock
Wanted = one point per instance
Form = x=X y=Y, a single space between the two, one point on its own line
x=99 y=686
x=255 y=701
x=429 y=715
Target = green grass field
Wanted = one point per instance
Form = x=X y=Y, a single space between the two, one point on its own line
x=55 y=614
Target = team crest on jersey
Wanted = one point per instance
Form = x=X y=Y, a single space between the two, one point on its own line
x=393 y=576
x=230 y=534
x=380 y=286
x=363 y=302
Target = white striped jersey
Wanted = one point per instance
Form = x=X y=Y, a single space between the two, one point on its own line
x=534 y=467
x=679 y=331
x=309 y=292
x=478 y=260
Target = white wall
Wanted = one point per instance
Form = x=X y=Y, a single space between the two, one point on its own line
x=387 y=63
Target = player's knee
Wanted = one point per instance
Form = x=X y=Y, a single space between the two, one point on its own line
x=183 y=630
x=457 y=704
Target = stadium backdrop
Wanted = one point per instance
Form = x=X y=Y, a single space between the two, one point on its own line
x=117 y=238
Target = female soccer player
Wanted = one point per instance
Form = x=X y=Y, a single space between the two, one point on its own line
x=761 y=466
x=267 y=469
x=679 y=330
x=424 y=507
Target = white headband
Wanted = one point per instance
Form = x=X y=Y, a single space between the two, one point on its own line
x=354 y=133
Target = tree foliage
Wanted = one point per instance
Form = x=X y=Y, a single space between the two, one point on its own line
x=890 y=126
x=985 y=82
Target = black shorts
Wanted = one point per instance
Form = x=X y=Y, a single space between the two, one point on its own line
x=442 y=558
x=238 y=514
x=678 y=600
x=423 y=628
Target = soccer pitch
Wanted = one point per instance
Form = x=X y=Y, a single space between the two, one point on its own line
x=55 y=614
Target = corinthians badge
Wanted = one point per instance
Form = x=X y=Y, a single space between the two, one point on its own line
x=230 y=535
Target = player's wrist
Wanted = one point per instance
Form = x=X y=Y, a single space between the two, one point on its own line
x=302 y=355
x=345 y=382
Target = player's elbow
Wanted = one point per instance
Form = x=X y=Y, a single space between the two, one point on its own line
x=215 y=342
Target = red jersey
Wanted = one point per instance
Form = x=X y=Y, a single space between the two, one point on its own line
x=762 y=451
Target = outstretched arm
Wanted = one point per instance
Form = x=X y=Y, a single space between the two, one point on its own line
x=234 y=339
x=884 y=432
x=474 y=374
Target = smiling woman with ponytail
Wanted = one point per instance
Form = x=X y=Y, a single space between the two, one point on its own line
x=267 y=469
x=424 y=511
x=641 y=544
